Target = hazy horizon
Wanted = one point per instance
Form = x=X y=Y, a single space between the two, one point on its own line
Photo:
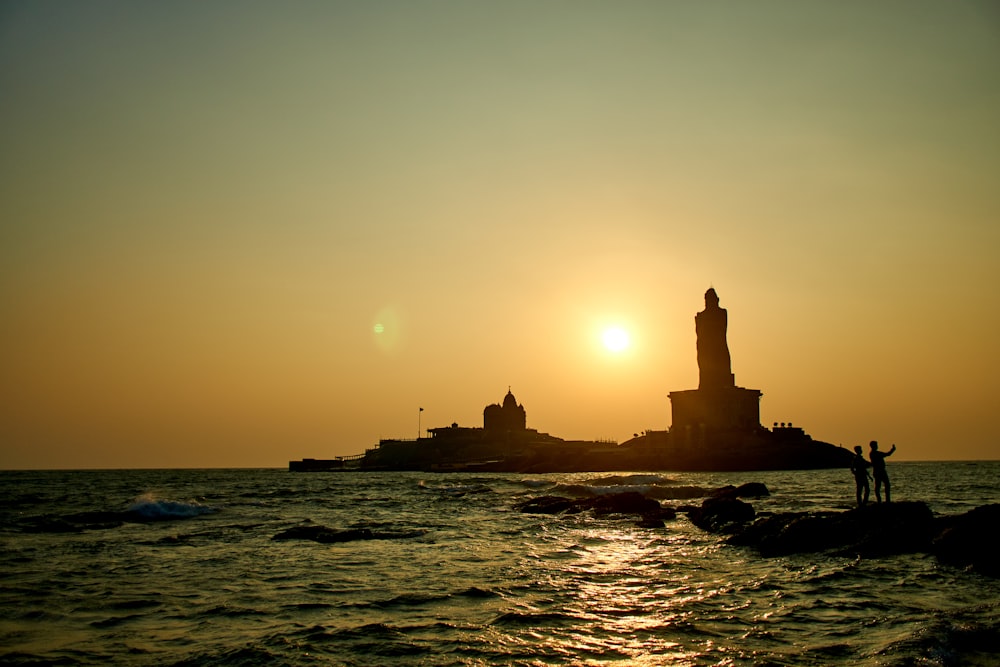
x=234 y=234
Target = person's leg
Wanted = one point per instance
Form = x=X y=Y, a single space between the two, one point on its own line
x=887 y=499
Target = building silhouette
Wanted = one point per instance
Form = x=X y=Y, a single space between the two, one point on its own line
x=715 y=427
x=507 y=417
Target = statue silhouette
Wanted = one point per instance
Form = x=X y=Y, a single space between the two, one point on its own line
x=713 y=352
x=860 y=469
x=878 y=467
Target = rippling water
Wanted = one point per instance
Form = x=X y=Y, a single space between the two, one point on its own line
x=179 y=567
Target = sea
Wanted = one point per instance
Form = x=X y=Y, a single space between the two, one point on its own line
x=455 y=574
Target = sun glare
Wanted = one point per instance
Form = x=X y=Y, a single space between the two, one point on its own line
x=615 y=339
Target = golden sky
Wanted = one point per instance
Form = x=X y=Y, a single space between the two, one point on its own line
x=207 y=207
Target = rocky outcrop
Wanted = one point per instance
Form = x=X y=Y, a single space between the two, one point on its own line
x=722 y=514
x=748 y=490
x=652 y=514
x=874 y=530
x=549 y=505
x=326 y=535
x=968 y=540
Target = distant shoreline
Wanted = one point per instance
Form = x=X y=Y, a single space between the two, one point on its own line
x=284 y=468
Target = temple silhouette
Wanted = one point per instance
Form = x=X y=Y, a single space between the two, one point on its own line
x=715 y=427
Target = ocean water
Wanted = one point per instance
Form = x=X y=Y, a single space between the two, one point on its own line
x=457 y=576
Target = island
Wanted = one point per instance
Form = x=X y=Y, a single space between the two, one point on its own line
x=715 y=427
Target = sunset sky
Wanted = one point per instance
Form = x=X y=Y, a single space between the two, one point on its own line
x=237 y=233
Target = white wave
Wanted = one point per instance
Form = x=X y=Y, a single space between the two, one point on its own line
x=622 y=488
x=631 y=480
x=588 y=490
x=149 y=507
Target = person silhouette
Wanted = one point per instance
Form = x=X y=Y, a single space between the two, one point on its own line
x=878 y=467
x=860 y=469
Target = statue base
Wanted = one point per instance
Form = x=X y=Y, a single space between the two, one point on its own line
x=697 y=411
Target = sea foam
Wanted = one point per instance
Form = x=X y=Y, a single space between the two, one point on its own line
x=151 y=508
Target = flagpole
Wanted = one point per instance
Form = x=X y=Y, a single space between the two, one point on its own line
x=419 y=414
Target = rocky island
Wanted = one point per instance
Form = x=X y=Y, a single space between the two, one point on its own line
x=715 y=427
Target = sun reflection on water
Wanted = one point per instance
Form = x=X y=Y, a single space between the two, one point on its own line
x=623 y=593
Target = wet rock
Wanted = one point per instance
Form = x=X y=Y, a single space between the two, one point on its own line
x=680 y=492
x=49 y=525
x=546 y=505
x=76 y=523
x=752 y=490
x=970 y=540
x=722 y=514
x=630 y=502
x=650 y=521
x=324 y=535
x=788 y=532
x=892 y=528
x=874 y=530
x=98 y=518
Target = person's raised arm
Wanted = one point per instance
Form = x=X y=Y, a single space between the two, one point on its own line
x=891 y=449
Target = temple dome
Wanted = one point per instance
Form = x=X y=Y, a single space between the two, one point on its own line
x=507 y=417
x=509 y=401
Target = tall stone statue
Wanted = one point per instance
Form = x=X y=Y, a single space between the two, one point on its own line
x=714 y=365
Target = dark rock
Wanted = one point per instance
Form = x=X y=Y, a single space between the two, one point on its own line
x=656 y=518
x=971 y=540
x=97 y=518
x=476 y=592
x=324 y=535
x=680 y=492
x=874 y=530
x=790 y=532
x=722 y=514
x=748 y=490
x=545 y=505
x=892 y=528
x=630 y=502
x=752 y=490
x=667 y=513
x=76 y=523
x=48 y=525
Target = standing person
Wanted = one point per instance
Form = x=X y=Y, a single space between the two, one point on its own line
x=878 y=467
x=860 y=469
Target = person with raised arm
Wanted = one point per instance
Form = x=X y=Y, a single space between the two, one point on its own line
x=878 y=468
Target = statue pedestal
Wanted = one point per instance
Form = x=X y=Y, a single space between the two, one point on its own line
x=697 y=411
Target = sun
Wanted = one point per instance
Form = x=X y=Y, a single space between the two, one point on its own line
x=615 y=339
